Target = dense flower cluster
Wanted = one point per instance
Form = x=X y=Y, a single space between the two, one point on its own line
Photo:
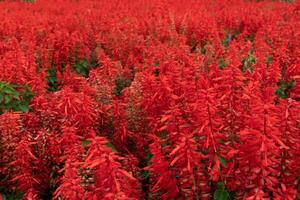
x=150 y=99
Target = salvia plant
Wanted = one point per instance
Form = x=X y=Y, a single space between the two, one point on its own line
x=150 y=99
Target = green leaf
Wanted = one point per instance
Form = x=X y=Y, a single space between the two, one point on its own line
x=221 y=185
x=120 y=84
x=222 y=160
x=82 y=67
x=250 y=37
x=163 y=134
x=227 y=39
x=7 y=99
x=221 y=141
x=156 y=72
x=14 y=97
x=23 y=108
x=280 y=93
x=284 y=88
x=221 y=195
x=52 y=79
x=149 y=157
x=269 y=60
x=85 y=143
x=145 y=174
x=248 y=62
x=203 y=48
x=9 y=90
x=222 y=63
x=12 y=196
x=113 y=148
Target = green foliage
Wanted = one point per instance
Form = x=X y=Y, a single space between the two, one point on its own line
x=85 y=143
x=221 y=194
x=163 y=134
x=193 y=45
x=10 y=195
x=248 y=62
x=156 y=72
x=82 y=67
x=269 y=60
x=250 y=37
x=203 y=48
x=30 y=1
x=52 y=80
x=222 y=160
x=284 y=89
x=120 y=84
x=289 y=1
x=14 y=97
x=112 y=147
x=222 y=63
x=145 y=174
x=229 y=37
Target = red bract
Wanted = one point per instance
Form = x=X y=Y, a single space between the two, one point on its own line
x=110 y=180
x=70 y=186
x=23 y=174
x=258 y=158
x=164 y=179
x=150 y=99
x=290 y=155
x=10 y=129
